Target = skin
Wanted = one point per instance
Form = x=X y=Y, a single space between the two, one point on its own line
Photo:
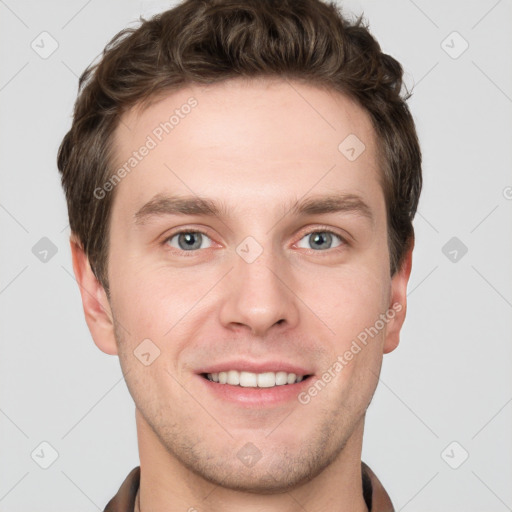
x=257 y=146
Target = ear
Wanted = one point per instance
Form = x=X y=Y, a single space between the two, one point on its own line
x=98 y=314
x=398 y=302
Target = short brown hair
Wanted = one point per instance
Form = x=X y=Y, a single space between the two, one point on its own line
x=208 y=41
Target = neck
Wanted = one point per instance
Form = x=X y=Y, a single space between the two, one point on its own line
x=167 y=485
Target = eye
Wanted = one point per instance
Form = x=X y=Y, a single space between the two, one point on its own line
x=189 y=240
x=321 y=240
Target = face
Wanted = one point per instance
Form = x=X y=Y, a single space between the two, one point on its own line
x=247 y=244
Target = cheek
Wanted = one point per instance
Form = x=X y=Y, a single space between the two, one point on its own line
x=151 y=300
x=349 y=299
x=162 y=305
x=356 y=317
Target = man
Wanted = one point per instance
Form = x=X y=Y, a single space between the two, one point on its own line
x=241 y=179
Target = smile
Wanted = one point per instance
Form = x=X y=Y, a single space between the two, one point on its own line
x=254 y=380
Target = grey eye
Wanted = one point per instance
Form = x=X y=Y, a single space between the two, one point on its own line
x=189 y=241
x=320 y=240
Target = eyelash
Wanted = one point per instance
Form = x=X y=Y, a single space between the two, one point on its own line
x=343 y=239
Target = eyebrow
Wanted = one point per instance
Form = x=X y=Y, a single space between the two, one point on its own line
x=161 y=205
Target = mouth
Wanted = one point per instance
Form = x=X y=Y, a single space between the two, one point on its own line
x=244 y=379
x=252 y=384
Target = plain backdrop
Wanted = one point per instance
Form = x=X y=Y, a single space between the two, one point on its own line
x=439 y=429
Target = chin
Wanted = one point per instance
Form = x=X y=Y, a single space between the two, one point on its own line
x=274 y=469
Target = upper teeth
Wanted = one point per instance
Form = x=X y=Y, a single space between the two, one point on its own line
x=249 y=379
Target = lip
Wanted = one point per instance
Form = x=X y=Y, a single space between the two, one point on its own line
x=244 y=365
x=255 y=397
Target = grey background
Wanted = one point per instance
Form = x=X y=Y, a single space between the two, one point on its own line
x=449 y=380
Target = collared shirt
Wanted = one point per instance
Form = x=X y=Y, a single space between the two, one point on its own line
x=375 y=496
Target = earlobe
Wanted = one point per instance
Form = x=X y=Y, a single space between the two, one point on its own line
x=98 y=313
x=398 y=302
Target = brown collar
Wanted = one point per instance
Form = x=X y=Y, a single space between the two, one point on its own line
x=375 y=496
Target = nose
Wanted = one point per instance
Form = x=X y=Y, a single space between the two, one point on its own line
x=259 y=296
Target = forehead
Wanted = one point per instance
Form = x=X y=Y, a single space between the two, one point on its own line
x=246 y=140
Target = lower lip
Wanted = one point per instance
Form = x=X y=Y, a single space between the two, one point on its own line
x=257 y=397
